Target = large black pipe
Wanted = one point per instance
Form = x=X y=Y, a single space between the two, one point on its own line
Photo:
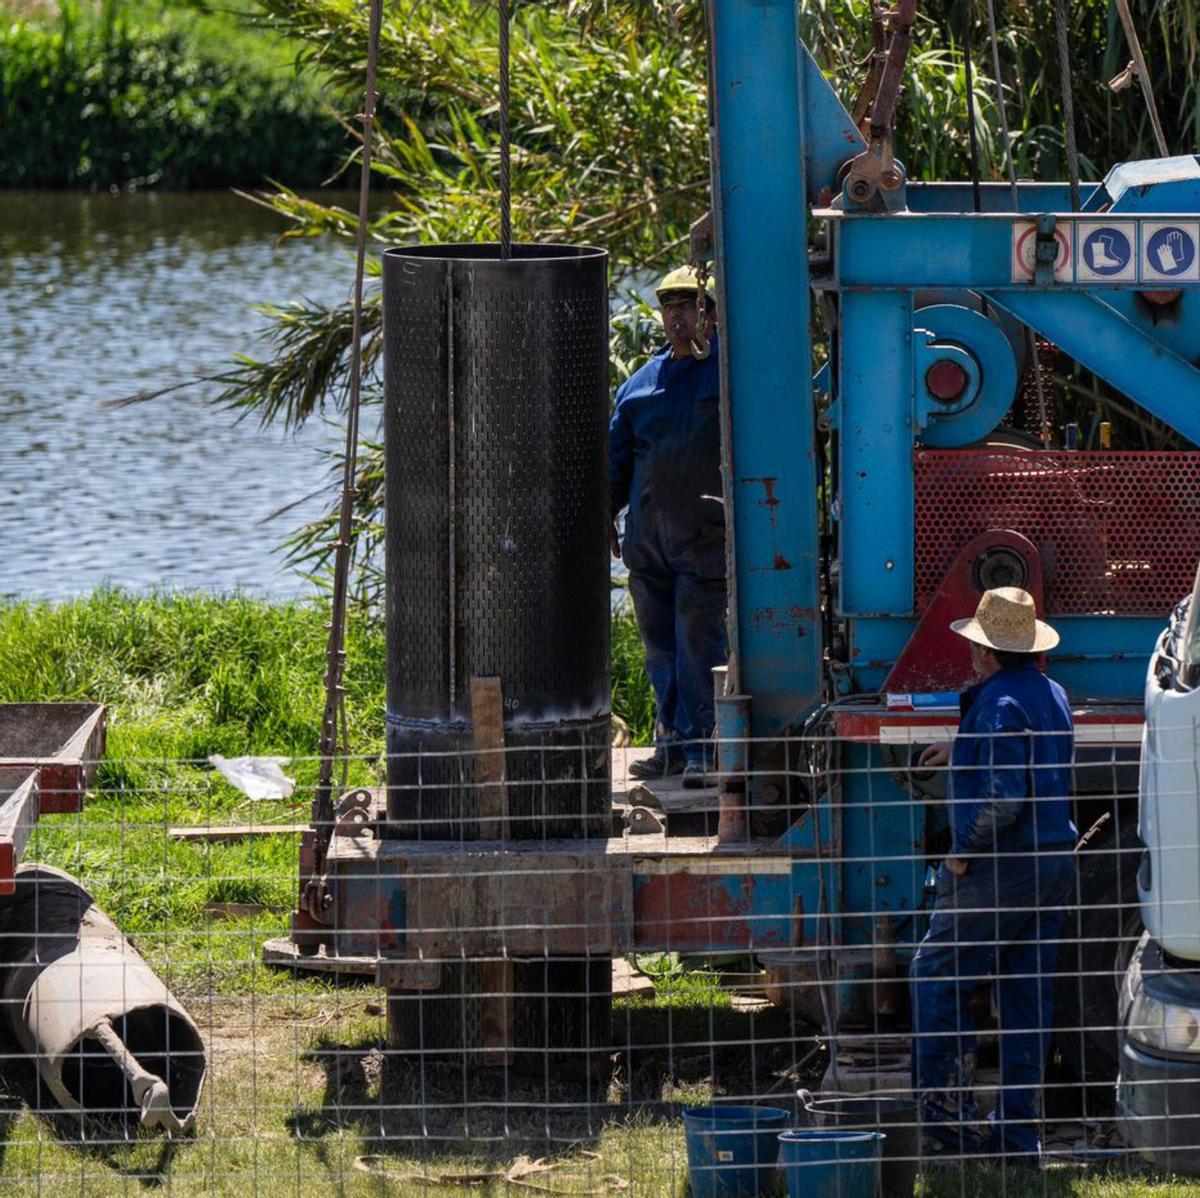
x=496 y=390
x=496 y=379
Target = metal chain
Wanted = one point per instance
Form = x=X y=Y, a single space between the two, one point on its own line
x=701 y=345
x=316 y=899
x=505 y=136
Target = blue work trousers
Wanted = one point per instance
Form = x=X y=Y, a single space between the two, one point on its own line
x=1003 y=920
x=681 y=617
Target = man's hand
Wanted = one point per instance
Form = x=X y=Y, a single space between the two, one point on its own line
x=614 y=541
x=957 y=866
x=935 y=756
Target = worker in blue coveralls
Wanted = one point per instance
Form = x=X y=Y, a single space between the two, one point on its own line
x=665 y=464
x=1003 y=892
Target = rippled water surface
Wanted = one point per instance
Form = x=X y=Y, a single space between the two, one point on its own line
x=101 y=297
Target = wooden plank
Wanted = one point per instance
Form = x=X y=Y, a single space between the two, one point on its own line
x=487 y=717
x=496 y=1012
x=222 y=833
x=627 y=980
x=570 y=904
x=281 y=951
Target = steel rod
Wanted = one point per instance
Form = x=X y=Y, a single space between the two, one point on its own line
x=335 y=652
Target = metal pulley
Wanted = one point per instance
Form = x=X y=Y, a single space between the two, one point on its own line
x=966 y=374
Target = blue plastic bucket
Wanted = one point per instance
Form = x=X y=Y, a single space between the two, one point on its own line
x=732 y=1150
x=831 y=1164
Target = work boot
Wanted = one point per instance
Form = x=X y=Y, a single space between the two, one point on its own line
x=666 y=760
x=698 y=776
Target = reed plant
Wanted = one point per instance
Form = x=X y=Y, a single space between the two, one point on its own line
x=609 y=146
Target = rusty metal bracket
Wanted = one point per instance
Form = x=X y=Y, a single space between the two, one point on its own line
x=354 y=810
x=876 y=170
x=641 y=821
x=1046 y=250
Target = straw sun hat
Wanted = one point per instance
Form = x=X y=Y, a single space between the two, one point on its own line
x=1006 y=619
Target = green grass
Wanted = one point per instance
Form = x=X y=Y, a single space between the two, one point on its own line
x=183 y=677
x=301 y=1087
x=307 y=1110
x=117 y=93
x=633 y=700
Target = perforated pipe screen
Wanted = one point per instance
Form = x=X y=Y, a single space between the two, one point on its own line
x=1117 y=532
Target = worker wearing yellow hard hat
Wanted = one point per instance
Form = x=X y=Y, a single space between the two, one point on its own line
x=684 y=279
x=665 y=466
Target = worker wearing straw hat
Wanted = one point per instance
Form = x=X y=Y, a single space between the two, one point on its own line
x=1004 y=889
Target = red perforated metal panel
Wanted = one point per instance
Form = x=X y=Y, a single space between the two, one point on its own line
x=1117 y=532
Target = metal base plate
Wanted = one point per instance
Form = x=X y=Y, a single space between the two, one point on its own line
x=283 y=953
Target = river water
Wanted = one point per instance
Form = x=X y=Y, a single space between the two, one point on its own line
x=101 y=297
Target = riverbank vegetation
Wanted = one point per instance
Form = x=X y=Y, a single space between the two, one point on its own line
x=115 y=94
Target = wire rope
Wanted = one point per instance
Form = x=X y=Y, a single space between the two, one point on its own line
x=1139 y=66
x=1030 y=339
x=972 y=131
x=1068 y=99
x=316 y=899
x=505 y=135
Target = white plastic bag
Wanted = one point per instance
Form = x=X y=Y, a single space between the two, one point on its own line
x=257 y=777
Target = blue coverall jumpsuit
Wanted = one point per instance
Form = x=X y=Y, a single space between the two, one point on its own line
x=664 y=462
x=1010 y=817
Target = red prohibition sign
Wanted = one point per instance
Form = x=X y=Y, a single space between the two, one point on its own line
x=1061 y=261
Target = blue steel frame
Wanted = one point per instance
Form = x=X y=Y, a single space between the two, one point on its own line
x=779 y=137
x=771 y=474
x=850 y=872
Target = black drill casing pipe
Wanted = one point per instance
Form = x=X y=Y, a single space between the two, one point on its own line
x=497 y=405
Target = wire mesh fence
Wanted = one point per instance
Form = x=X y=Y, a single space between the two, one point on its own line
x=516 y=988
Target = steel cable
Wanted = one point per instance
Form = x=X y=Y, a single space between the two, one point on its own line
x=505 y=137
x=1139 y=66
x=972 y=131
x=1030 y=339
x=1068 y=99
x=335 y=652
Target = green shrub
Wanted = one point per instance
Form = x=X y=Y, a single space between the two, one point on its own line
x=116 y=98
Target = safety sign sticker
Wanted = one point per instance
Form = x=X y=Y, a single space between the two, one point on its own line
x=1024 y=252
x=1107 y=251
x=1169 y=250
x=1112 y=250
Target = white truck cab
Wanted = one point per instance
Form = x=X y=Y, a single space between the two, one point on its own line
x=1158 y=1086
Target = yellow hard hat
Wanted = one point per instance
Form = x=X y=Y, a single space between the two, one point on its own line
x=683 y=278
